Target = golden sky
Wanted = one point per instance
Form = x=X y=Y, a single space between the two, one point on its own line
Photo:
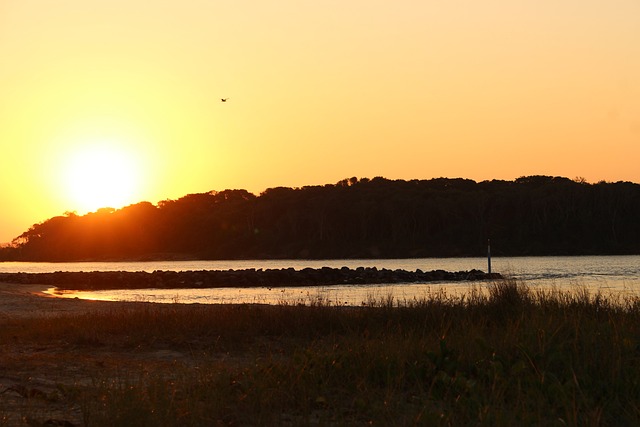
x=112 y=102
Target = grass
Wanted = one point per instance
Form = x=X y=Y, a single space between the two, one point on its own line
x=509 y=355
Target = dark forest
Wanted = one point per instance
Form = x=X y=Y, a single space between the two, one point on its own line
x=354 y=218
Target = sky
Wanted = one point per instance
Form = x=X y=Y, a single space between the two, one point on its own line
x=107 y=103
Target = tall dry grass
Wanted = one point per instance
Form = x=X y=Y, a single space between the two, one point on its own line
x=503 y=355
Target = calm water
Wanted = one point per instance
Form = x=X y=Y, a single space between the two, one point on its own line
x=604 y=273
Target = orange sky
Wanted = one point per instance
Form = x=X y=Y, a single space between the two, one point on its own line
x=107 y=103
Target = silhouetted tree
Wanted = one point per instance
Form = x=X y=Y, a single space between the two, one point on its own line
x=534 y=215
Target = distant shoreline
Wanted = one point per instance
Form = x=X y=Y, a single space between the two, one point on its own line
x=353 y=219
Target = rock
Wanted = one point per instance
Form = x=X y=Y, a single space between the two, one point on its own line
x=239 y=278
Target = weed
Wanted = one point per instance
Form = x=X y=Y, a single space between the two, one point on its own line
x=505 y=355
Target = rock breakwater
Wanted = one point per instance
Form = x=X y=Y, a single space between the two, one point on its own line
x=101 y=280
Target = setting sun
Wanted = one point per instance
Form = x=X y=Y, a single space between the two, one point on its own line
x=100 y=175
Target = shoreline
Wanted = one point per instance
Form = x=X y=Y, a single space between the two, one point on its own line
x=19 y=300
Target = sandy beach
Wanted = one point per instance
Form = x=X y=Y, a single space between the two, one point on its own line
x=24 y=300
x=33 y=373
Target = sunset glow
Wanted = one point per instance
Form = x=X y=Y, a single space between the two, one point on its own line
x=317 y=92
x=100 y=175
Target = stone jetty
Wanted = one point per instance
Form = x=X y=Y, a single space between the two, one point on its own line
x=286 y=277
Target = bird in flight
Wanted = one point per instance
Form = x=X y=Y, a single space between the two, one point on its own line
x=224 y=99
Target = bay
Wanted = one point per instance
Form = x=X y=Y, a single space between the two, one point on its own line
x=618 y=274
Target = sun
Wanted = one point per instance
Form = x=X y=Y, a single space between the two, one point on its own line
x=99 y=175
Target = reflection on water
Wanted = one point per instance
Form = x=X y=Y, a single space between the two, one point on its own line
x=334 y=295
x=352 y=295
x=619 y=274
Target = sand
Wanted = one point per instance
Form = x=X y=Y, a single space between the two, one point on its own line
x=20 y=300
x=34 y=375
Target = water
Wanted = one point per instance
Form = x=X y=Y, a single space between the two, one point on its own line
x=448 y=264
x=597 y=273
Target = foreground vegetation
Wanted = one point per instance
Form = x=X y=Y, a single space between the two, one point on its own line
x=505 y=355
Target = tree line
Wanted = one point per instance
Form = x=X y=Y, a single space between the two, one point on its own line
x=354 y=218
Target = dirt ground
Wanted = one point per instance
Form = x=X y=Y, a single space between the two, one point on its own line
x=20 y=300
x=39 y=382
